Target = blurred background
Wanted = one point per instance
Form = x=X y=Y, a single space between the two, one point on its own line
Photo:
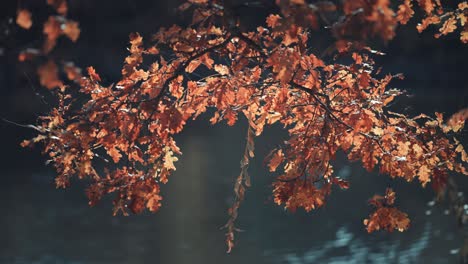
x=41 y=224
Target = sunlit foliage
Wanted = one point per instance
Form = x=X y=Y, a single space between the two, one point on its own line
x=121 y=135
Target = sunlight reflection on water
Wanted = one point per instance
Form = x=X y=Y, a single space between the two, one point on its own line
x=358 y=252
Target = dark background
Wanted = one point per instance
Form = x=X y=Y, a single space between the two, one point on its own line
x=40 y=224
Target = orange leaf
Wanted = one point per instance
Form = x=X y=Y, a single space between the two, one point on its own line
x=93 y=75
x=24 y=19
x=114 y=153
x=59 y=5
x=169 y=160
x=72 y=30
x=405 y=12
x=273 y=21
x=192 y=66
x=276 y=159
x=48 y=75
x=221 y=69
x=182 y=47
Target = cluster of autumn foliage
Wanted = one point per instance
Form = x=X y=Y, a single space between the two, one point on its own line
x=121 y=136
x=57 y=25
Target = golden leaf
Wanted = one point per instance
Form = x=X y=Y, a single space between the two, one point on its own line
x=169 y=160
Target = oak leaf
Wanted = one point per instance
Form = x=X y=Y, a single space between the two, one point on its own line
x=48 y=75
x=275 y=160
x=23 y=19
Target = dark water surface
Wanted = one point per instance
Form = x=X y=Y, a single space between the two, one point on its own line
x=45 y=225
